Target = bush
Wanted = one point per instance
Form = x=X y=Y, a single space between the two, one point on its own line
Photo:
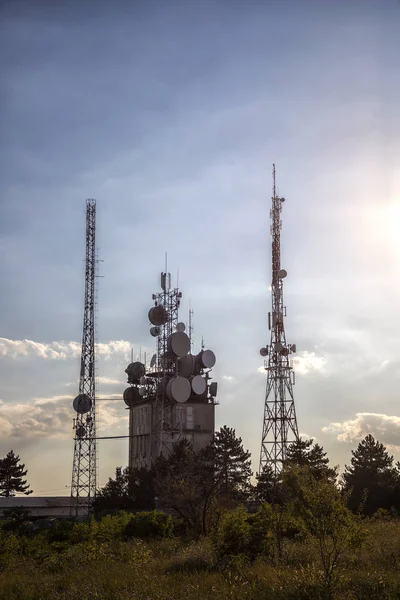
x=232 y=537
x=149 y=525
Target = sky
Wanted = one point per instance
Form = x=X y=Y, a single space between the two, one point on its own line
x=170 y=115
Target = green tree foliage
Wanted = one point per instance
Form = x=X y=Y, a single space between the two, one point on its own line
x=268 y=486
x=304 y=453
x=12 y=474
x=185 y=483
x=371 y=481
x=232 y=465
x=333 y=529
x=131 y=489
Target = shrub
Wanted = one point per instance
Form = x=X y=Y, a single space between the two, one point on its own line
x=232 y=537
x=149 y=525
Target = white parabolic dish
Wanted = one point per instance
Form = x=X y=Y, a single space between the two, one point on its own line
x=178 y=389
x=179 y=343
x=186 y=365
x=199 y=385
x=208 y=359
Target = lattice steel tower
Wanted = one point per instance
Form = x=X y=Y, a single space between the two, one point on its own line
x=280 y=423
x=83 y=488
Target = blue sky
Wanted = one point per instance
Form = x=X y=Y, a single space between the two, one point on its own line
x=170 y=115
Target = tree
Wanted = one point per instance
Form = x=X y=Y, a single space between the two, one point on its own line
x=131 y=489
x=332 y=528
x=371 y=481
x=185 y=482
x=12 y=474
x=306 y=453
x=232 y=465
x=268 y=486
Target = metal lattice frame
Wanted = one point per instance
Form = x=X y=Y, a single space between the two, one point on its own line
x=280 y=423
x=83 y=488
x=165 y=415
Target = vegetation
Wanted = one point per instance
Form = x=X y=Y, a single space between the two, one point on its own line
x=307 y=539
x=372 y=481
x=12 y=474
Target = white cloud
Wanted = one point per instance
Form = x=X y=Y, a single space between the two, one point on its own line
x=110 y=381
x=229 y=378
x=59 y=350
x=304 y=363
x=308 y=362
x=385 y=428
x=305 y=436
x=51 y=417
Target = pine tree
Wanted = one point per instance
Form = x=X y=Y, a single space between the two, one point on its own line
x=304 y=453
x=131 y=489
x=12 y=475
x=268 y=486
x=232 y=464
x=371 y=482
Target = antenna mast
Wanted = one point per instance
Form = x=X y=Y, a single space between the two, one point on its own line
x=280 y=423
x=83 y=488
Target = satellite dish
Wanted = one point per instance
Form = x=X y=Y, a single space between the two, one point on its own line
x=293 y=348
x=131 y=396
x=282 y=274
x=142 y=380
x=178 y=389
x=154 y=331
x=213 y=389
x=158 y=315
x=278 y=347
x=178 y=343
x=186 y=365
x=82 y=404
x=206 y=359
x=135 y=371
x=263 y=351
x=153 y=361
x=80 y=431
x=142 y=391
x=199 y=385
x=180 y=327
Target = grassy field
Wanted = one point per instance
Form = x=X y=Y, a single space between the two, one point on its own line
x=169 y=569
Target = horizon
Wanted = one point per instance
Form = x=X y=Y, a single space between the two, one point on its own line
x=171 y=118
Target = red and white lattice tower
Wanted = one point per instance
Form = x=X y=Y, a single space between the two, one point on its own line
x=280 y=423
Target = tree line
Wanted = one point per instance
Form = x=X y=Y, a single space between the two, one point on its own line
x=195 y=485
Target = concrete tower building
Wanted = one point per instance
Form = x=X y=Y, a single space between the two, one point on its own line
x=173 y=397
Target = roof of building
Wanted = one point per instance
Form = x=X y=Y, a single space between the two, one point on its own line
x=35 y=501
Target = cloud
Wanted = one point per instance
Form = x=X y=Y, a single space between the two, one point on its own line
x=59 y=350
x=51 y=417
x=305 y=363
x=309 y=362
x=110 y=381
x=305 y=436
x=385 y=428
x=229 y=378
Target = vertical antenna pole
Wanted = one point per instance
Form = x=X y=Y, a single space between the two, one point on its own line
x=280 y=423
x=83 y=488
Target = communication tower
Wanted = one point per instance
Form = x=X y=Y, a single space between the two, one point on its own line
x=280 y=423
x=83 y=488
x=173 y=398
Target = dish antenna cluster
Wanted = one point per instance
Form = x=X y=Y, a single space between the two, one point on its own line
x=175 y=375
x=280 y=423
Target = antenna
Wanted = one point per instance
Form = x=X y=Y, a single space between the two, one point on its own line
x=280 y=423
x=191 y=325
x=83 y=488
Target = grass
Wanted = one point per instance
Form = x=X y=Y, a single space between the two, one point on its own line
x=170 y=569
